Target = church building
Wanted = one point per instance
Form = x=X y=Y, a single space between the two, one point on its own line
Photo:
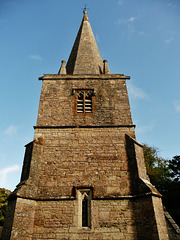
x=84 y=175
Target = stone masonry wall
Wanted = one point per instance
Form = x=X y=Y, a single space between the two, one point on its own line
x=79 y=157
x=73 y=151
x=110 y=220
x=21 y=221
x=9 y=220
x=57 y=103
x=160 y=218
x=130 y=219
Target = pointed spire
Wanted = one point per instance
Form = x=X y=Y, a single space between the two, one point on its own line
x=62 y=69
x=85 y=57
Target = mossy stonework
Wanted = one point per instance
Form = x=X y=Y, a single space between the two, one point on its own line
x=84 y=175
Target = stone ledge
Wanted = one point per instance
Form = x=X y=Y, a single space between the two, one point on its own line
x=108 y=198
x=74 y=126
x=86 y=76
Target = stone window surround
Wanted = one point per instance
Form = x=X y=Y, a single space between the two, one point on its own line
x=85 y=92
x=81 y=193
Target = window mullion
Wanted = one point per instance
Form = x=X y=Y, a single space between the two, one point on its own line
x=84 y=102
x=84 y=110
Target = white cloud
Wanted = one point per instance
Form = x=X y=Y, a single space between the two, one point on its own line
x=4 y=174
x=171 y=5
x=177 y=106
x=36 y=57
x=144 y=129
x=169 y=40
x=97 y=38
x=126 y=21
x=11 y=130
x=132 y=19
x=136 y=92
x=120 y=2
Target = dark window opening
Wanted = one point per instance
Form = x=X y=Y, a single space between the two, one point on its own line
x=85 y=212
x=84 y=207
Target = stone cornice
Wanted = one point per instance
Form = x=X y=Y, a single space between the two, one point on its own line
x=82 y=126
x=66 y=198
x=81 y=77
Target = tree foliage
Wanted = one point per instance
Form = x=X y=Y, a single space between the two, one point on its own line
x=174 y=166
x=165 y=176
x=4 y=193
x=157 y=168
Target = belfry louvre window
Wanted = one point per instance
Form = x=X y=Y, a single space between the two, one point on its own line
x=84 y=100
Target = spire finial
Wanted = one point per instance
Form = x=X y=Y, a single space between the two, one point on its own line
x=85 y=8
x=85 y=17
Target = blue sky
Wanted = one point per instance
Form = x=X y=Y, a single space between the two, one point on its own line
x=139 y=38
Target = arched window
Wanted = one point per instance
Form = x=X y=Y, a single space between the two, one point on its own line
x=84 y=100
x=84 y=197
x=85 y=211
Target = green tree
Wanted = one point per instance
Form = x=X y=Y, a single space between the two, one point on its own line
x=172 y=195
x=4 y=193
x=157 y=168
x=165 y=176
x=174 y=166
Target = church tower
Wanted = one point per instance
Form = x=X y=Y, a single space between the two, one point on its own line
x=84 y=175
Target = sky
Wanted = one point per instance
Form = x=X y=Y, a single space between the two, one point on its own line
x=139 y=38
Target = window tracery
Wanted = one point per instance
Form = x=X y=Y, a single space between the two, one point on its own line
x=84 y=103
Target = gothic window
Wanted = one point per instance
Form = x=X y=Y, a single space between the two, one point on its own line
x=84 y=207
x=85 y=211
x=84 y=103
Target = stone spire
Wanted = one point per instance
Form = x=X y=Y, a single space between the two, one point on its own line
x=85 y=57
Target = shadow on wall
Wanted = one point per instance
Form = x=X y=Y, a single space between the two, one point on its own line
x=1 y=228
